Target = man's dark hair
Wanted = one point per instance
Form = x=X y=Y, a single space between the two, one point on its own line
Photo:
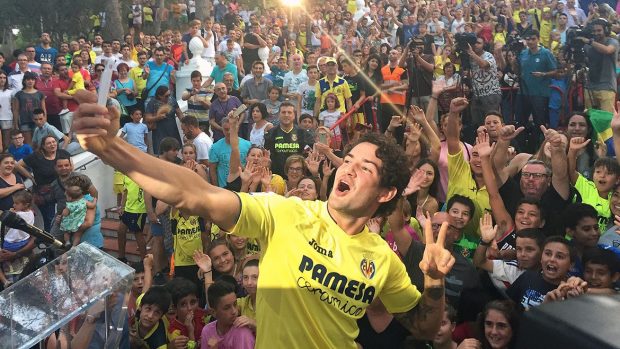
x=190 y=121
x=137 y=266
x=574 y=213
x=161 y=49
x=14 y=132
x=561 y=240
x=81 y=181
x=179 y=288
x=195 y=74
x=157 y=295
x=531 y=32
x=167 y=144
x=534 y=234
x=218 y=290
x=251 y=263
x=395 y=168
x=38 y=111
x=463 y=200
x=598 y=255
x=610 y=164
x=255 y=63
x=287 y=104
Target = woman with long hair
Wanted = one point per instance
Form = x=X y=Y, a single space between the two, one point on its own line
x=498 y=325
x=374 y=79
x=259 y=114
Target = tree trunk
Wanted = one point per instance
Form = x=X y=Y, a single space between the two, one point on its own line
x=157 y=18
x=202 y=9
x=114 y=24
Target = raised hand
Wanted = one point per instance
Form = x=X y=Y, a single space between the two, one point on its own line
x=553 y=137
x=437 y=261
x=293 y=192
x=508 y=132
x=203 y=261
x=375 y=224
x=415 y=132
x=483 y=145
x=458 y=105
x=328 y=168
x=312 y=162
x=578 y=143
x=265 y=179
x=488 y=232
x=395 y=122
x=148 y=261
x=416 y=114
x=95 y=125
x=415 y=182
x=438 y=87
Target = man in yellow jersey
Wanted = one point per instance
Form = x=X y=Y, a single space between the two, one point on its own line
x=309 y=296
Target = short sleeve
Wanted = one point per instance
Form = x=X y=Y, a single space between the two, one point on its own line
x=213 y=155
x=256 y=219
x=57 y=134
x=399 y=295
x=347 y=90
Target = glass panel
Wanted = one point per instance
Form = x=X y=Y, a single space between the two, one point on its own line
x=52 y=296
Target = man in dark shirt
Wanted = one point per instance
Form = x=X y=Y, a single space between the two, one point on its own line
x=251 y=43
x=286 y=140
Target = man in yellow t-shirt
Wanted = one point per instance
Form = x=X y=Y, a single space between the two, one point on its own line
x=321 y=265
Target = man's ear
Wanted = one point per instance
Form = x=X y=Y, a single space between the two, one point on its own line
x=387 y=194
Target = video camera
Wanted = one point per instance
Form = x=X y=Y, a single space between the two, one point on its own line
x=574 y=50
x=515 y=44
x=463 y=41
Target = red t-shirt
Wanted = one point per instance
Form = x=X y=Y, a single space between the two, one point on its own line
x=64 y=86
x=177 y=328
x=53 y=104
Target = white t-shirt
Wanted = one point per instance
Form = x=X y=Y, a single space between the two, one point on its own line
x=457 y=26
x=329 y=119
x=292 y=80
x=209 y=51
x=14 y=235
x=5 y=105
x=203 y=144
x=505 y=273
x=308 y=97
x=222 y=47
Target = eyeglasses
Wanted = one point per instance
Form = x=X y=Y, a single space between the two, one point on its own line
x=17 y=137
x=295 y=169
x=528 y=175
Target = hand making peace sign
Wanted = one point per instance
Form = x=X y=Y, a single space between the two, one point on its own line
x=437 y=261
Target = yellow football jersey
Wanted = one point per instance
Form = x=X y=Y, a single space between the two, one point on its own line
x=316 y=280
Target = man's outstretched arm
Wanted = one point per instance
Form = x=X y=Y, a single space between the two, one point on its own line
x=96 y=127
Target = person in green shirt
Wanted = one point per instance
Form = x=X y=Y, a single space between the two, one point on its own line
x=596 y=192
x=133 y=217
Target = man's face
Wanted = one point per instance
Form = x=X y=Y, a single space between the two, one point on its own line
x=45 y=38
x=257 y=70
x=393 y=56
x=562 y=20
x=332 y=68
x=159 y=56
x=197 y=83
x=229 y=81
x=528 y=253
x=126 y=52
x=64 y=167
x=22 y=62
x=297 y=62
x=63 y=71
x=142 y=59
x=30 y=52
x=46 y=70
x=534 y=180
x=116 y=46
x=74 y=46
x=598 y=31
x=532 y=42
x=220 y=90
x=98 y=40
x=492 y=124
x=107 y=48
x=287 y=116
x=479 y=46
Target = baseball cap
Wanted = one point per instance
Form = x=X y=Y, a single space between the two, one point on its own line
x=330 y=60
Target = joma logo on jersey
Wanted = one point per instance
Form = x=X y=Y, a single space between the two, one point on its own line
x=320 y=249
x=368 y=268
x=337 y=282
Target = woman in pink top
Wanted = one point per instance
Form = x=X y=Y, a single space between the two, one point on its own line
x=228 y=331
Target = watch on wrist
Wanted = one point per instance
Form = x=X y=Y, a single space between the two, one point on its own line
x=484 y=243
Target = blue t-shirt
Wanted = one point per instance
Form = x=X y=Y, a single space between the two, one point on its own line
x=156 y=71
x=121 y=96
x=220 y=155
x=21 y=152
x=93 y=234
x=45 y=55
x=277 y=76
x=541 y=61
x=218 y=74
x=135 y=134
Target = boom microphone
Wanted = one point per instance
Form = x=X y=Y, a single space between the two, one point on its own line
x=12 y=220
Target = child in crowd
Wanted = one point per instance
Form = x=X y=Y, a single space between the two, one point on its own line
x=530 y=288
x=329 y=117
x=405 y=213
x=177 y=47
x=306 y=92
x=74 y=214
x=278 y=72
x=582 y=227
x=133 y=217
x=18 y=148
x=273 y=105
x=187 y=324
x=137 y=286
x=462 y=209
x=611 y=237
x=150 y=329
x=15 y=240
x=198 y=101
x=601 y=270
x=77 y=82
x=135 y=131
x=595 y=192
x=222 y=333
x=247 y=304
x=443 y=338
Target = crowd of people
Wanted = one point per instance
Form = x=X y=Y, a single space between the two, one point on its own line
x=437 y=147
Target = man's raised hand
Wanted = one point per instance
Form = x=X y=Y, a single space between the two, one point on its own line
x=437 y=261
x=95 y=125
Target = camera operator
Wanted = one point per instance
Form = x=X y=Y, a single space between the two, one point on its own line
x=420 y=64
x=487 y=94
x=537 y=65
x=602 y=53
